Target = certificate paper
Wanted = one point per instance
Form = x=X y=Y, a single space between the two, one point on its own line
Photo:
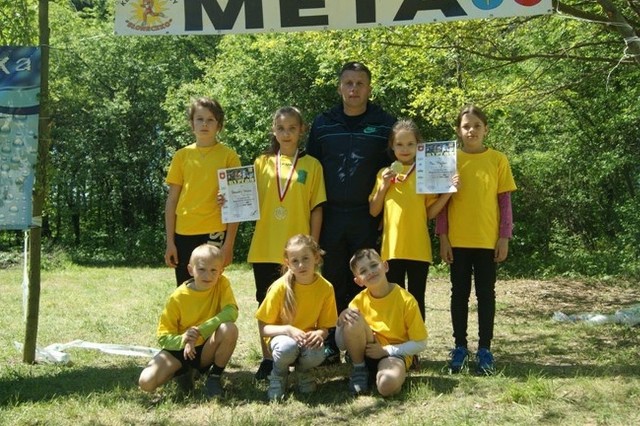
x=238 y=185
x=435 y=166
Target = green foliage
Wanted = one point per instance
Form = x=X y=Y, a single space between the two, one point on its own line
x=560 y=94
x=19 y=22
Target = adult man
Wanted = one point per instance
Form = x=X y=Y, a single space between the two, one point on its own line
x=350 y=141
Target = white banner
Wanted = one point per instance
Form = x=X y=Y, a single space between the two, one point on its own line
x=163 y=17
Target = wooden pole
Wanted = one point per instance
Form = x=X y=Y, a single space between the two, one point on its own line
x=44 y=138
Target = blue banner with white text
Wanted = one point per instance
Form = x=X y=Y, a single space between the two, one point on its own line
x=19 y=115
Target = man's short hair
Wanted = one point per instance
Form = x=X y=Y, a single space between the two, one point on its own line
x=355 y=66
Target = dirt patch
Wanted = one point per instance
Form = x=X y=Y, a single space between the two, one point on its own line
x=566 y=296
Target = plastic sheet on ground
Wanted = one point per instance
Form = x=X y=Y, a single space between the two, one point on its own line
x=628 y=316
x=55 y=353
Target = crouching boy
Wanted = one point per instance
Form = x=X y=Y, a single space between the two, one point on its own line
x=381 y=329
x=196 y=330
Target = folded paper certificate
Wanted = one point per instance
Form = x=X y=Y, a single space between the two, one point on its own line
x=238 y=186
x=435 y=167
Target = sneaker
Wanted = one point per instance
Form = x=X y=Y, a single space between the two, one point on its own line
x=359 y=380
x=458 y=361
x=266 y=365
x=485 y=365
x=277 y=387
x=331 y=356
x=185 y=382
x=306 y=382
x=213 y=387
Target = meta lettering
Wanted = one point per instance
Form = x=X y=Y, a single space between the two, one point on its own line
x=299 y=13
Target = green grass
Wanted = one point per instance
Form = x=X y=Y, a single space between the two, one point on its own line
x=548 y=372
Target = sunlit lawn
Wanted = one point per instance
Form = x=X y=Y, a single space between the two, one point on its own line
x=553 y=373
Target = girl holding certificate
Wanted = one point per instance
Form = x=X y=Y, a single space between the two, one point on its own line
x=290 y=191
x=192 y=216
x=474 y=235
x=406 y=245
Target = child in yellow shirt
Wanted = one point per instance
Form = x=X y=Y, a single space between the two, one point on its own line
x=381 y=330
x=196 y=329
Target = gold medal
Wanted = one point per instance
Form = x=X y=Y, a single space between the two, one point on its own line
x=280 y=213
x=396 y=167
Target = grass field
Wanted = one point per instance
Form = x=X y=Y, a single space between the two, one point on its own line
x=549 y=372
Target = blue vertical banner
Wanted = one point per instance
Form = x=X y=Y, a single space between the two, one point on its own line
x=19 y=114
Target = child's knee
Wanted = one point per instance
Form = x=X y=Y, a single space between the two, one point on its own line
x=388 y=384
x=146 y=381
x=356 y=327
x=284 y=347
x=227 y=331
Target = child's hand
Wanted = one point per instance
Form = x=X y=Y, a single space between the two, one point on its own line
x=296 y=334
x=388 y=176
x=502 y=250
x=375 y=351
x=171 y=255
x=313 y=339
x=189 y=338
x=220 y=200
x=446 y=253
x=348 y=316
x=191 y=334
x=455 y=180
x=189 y=350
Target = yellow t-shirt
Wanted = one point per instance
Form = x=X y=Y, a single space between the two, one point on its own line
x=473 y=211
x=315 y=305
x=190 y=308
x=306 y=191
x=405 y=233
x=395 y=318
x=196 y=171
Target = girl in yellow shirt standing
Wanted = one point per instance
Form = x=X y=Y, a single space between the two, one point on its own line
x=474 y=235
x=291 y=193
x=406 y=245
x=192 y=214
x=295 y=316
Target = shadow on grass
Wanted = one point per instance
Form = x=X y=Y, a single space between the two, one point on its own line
x=72 y=382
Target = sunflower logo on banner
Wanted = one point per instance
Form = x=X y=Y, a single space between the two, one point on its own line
x=148 y=15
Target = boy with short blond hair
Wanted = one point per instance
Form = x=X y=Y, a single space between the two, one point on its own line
x=196 y=329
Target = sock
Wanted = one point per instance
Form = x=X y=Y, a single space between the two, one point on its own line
x=215 y=370
x=360 y=364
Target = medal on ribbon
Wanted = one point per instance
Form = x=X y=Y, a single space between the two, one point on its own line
x=280 y=213
x=399 y=177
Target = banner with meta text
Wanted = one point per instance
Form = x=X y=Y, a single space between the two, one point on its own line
x=19 y=113
x=164 y=17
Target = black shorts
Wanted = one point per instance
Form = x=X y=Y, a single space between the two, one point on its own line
x=372 y=363
x=193 y=363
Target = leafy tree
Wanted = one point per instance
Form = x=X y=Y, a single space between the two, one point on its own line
x=109 y=149
x=19 y=22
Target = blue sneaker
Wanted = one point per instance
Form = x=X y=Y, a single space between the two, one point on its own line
x=485 y=365
x=458 y=359
x=332 y=356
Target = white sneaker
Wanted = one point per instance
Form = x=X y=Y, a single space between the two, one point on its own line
x=277 y=387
